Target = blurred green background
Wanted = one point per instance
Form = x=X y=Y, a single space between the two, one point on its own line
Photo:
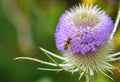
x=27 y=24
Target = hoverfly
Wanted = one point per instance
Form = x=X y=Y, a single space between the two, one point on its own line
x=67 y=43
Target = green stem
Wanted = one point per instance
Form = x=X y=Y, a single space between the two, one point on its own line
x=116 y=24
x=89 y=78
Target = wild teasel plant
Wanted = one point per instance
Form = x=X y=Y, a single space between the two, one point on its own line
x=84 y=34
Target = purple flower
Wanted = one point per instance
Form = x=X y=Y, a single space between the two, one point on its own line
x=82 y=30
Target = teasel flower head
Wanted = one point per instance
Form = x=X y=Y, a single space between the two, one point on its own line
x=84 y=36
x=83 y=30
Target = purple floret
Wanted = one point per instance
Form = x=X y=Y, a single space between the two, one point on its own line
x=84 y=37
